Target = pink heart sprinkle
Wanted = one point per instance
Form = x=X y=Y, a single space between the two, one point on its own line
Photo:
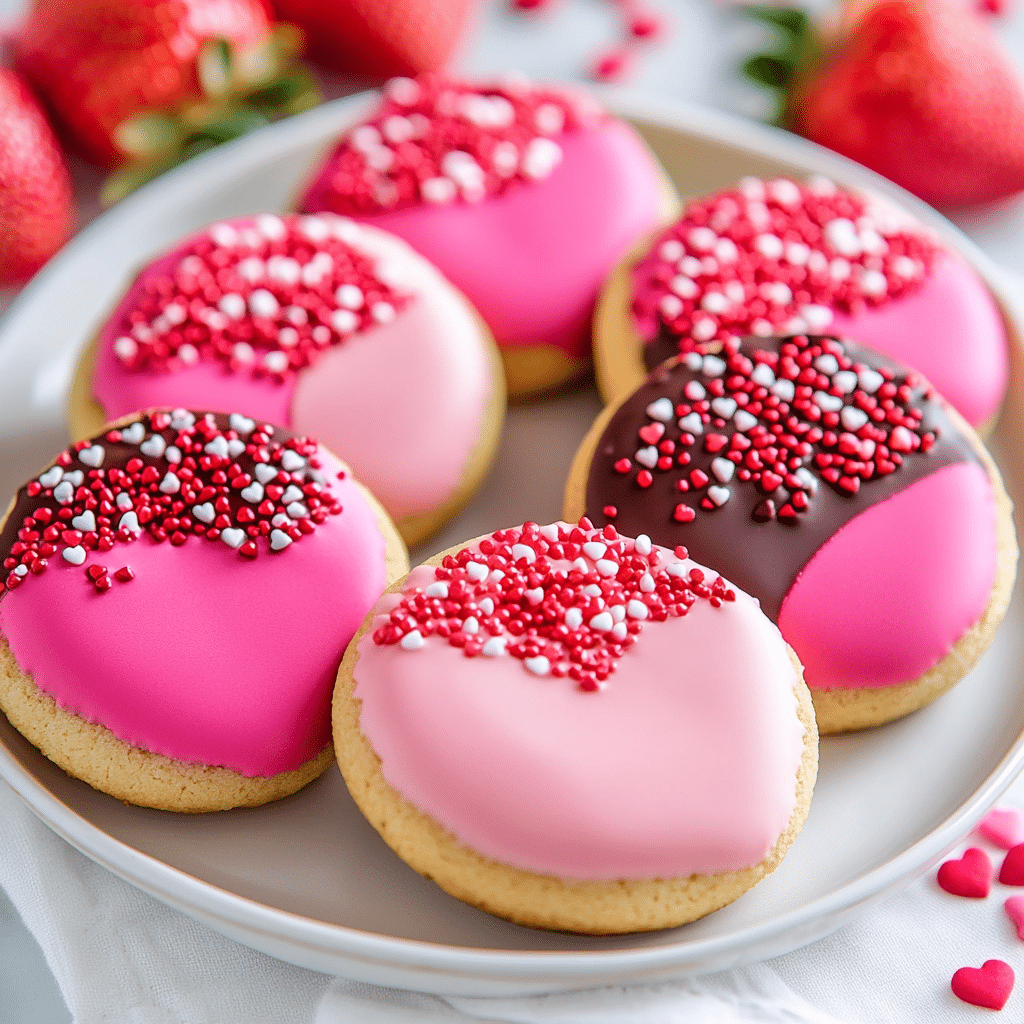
x=1015 y=911
x=1003 y=827
x=989 y=985
x=1012 y=871
x=970 y=876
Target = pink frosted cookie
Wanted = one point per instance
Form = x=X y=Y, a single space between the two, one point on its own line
x=523 y=195
x=837 y=488
x=780 y=257
x=326 y=327
x=576 y=730
x=176 y=595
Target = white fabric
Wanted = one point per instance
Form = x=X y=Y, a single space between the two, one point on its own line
x=121 y=956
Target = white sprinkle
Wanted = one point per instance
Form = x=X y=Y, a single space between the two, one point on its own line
x=726 y=251
x=752 y=188
x=606 y=567
x=670 y=306
x=619 y=631
x=719 y=495
x=52 y=476
x=662 y=410
x=637 y=609
x=188 y=354
x=170 y=483
x=263 y=304
x=280 y=520
x=523 y=551
x=762 y=328
x=871 y=241
x=723 y=406
x=534 y=596
x=784 y=191
x=75 y=555
x=769 y=246
x=701 y=239
x=505 y=158
x=647 y=583
x=279 y=540
x=20 y=570
x=539 y=666
x=233 y=537
x=476 y=571
x=314 y=228
x=92 y=456
x=870 y=380
x=704 y=328
x=130 y=522
x=242 y=352
x=125 y=349
x=647 y=457
x=123 y=501
x=284 y=269
x=714 y=302
x=902 y=265
x=723 y=469
x=573 y=618
x=691 y=423
x=224 y=235
x=242 y=424
x=549 y=119
x=494 y=647
x=618 y=612
x=595 y=549
x=853 y=418
x=397 y=128
x=437 y=589
x=471 y=625
x=807 y=479
x=232 y=305
x=86 y=522
x=218 y=446
x=846 y=381
x=172 y=454
x=818 y=317
x=403 y=91
x=344 y=321
x=550 y=532
x=694 y=361
x=676 y=568
x=827 y=363
x=540 y=158
x=671 y=250
x=873 y=282
x=594 y=590
x=486 y=605
x=827 y=402
x=297 y=510
x=763 y=374
x=839 y=269
x=350 y=296
x=205 y=513
x=797 y=253
x=437 y=191
x=601 y=622
x=841 y=235
x=784 y=389
x=744 y=420
x=412 y=641
x=382 y=312
x=694 y=390
x=713 y=366
x=74 y=477
x=253 y=493
x=776 y=292
x=291 y=461
x=271 y=227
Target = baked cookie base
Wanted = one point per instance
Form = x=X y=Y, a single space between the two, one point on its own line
x=524 y=897
x=92 y=753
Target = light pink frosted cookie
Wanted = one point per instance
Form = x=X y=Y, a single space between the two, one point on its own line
x=835 y=486
x=326 y=327
x=577 y=730
x=176 y=596
x=781 y=257
x=525 y=197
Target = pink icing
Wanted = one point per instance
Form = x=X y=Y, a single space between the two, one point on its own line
x=205 y=657
x=533 y=259
x=431 y=400
x=685 y=762
x=887 y=596
x=949 y=329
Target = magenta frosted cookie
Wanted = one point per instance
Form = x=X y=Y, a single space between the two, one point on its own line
x=577 y=730
x=781 y=257
x=836 y=487
x=525 y=196
x=177 y=594
x=327 y=327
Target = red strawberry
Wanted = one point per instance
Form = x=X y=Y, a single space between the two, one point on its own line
x=98 y=62
x=379 y=39
x=919 y=91
x=36 y=214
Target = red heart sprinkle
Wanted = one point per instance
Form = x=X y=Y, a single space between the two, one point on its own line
x=715 y=442
x=651 y=434
x=989 y=985
x=1012 y=871
x=970 y=876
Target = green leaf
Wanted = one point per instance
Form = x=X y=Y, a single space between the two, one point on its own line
x=231 y=124
x=790 y=20
x=771 y=70
x=214 y=67
x=287 y=88
x=148 y=135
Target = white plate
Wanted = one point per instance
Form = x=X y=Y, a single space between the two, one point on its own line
x=307 y=879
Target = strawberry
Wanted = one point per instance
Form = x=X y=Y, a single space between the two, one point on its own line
x=156 y=79
x=36 y=214
x=919 y=91
x=379 y=38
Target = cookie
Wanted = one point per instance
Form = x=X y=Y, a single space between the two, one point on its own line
x=177 y=593
x=329 y=328
x=781 y=257
x=836 y=487
x=575 y=730
x=525 y=196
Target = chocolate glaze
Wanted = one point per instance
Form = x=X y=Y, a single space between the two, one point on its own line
x=763 y=558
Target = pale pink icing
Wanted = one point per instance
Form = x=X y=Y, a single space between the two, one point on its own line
x=948 y=328
x=533 y=260
x=685 y=763
x=403 y=403
x=887 y=596
x=204 y=656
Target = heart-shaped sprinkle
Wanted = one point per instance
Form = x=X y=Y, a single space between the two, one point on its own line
x=719 y=495
x=989 y=985
x=133 y=434
x=1003 y=827
x=291 y=494
x=218 y=447
x=412 y=641
x=291 y=461
x=86 y=522
x=154 y=446
x=662 y=410
x=723 y=469
x=279 y=540
x=235 y=448
x=233 y=537
x=647 y=457
x=173 y=454
x=64 y=492
x=130 y=522
x=970 y=876
x=182 y=419
x=535 y=596
x=93 y=455
x=1014 y=906
x=253 y=493
x=652 y=433
x=539 y=665
x=205 y=513
x=692 y=423
x=75 y=555
x=242 y=424
x=52 y=476
x=494 y=647
x=724 y=407
x=170 y=483
x=265 y=472
x=594 y=549
x=1012 y=871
